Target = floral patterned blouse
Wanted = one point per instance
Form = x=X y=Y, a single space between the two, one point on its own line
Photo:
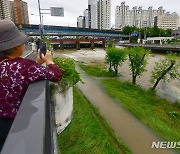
x=15 y=76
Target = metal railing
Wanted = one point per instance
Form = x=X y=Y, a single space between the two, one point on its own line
x=33 y=130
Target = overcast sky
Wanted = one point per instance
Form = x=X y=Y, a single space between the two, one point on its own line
x=75 y=8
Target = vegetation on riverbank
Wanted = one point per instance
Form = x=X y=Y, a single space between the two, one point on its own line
x=97 y=70
x=156 y=113
x=88 y=131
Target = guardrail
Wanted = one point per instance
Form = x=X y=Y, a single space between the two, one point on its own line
x=33 y=130
x=154 y=47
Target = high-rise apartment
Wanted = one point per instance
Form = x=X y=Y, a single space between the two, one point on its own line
x=83 y=21
x=135 y=17
x=167 y=21
x=86 y=19
x=105 y=20
x=4 y=10
x=99 y=14
x=80 y=22
x=25 y=15
x=11 y=10
x=93 y=14
x=19 y=12
x=122 y=16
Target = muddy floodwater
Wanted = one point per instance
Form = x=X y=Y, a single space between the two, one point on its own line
x=168 y=90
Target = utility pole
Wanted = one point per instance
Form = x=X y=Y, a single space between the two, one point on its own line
x=145 y=29
x=40 y=19
x=54 y=11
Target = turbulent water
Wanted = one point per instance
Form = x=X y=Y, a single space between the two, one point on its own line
x=170 y=90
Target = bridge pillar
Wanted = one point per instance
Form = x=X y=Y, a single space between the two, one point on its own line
x=77 y=45
x=104 y=44
x=61 y=46
x=92 y=45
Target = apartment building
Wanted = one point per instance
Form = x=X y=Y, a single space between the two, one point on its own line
x=136 y=16
x=98 y=14
x=167 y=21
x=86 y=19
x=18 y=12
x=80 y=22
x=93 y=14
x=4 y=10
x=105 y=11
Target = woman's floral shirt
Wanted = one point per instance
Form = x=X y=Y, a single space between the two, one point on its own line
x=15 y=76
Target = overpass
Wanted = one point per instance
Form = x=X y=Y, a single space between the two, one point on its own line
x=33 y=30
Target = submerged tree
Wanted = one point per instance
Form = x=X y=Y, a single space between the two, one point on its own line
x=115 y=57
x=166 y=69
x=138 y=61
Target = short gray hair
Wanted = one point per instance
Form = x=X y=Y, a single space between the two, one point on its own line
x=6 y=52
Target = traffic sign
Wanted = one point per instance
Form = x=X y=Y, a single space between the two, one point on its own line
x=57 y=11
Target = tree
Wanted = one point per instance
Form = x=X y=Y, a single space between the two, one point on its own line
x=138 y=61
x=110 y=43
x=115 y=57
x=166 y=69
x=128 y=29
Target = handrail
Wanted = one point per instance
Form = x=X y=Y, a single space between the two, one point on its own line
x=33 y=130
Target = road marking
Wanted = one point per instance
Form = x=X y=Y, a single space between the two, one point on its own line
x=28 y=54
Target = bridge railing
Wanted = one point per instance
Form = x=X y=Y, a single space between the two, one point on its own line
x=33 y=130
x=71 y=31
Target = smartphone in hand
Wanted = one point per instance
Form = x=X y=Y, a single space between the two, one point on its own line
x=43 y=50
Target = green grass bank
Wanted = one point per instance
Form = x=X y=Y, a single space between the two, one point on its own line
x=88 y=131
x=156 y=113
x=96 y=69
x=162 y=117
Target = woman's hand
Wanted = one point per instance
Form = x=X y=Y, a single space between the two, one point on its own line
x=47 y=58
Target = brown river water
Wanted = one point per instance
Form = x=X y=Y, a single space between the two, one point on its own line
x=168 y=90
x=134 y=134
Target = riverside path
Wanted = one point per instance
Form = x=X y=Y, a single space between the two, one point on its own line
x=134 y=134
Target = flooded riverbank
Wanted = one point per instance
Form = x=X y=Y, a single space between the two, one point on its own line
x=169 y=91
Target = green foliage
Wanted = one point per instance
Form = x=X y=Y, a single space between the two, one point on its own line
x=96 y=70
x=156 y=113
x=88 y=132
x=166 y=69
x=129 y=29
x=174 y=41
x=31 y=39
x=133 y=39
x=138 y=61
x=110 y=43
x=150 y=31
x=115 y=57
x=67 y=65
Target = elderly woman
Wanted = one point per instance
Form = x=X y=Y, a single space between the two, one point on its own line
x=17 y=73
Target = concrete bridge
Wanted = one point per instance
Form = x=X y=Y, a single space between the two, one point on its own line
x=78 y=43
x=33 y=30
